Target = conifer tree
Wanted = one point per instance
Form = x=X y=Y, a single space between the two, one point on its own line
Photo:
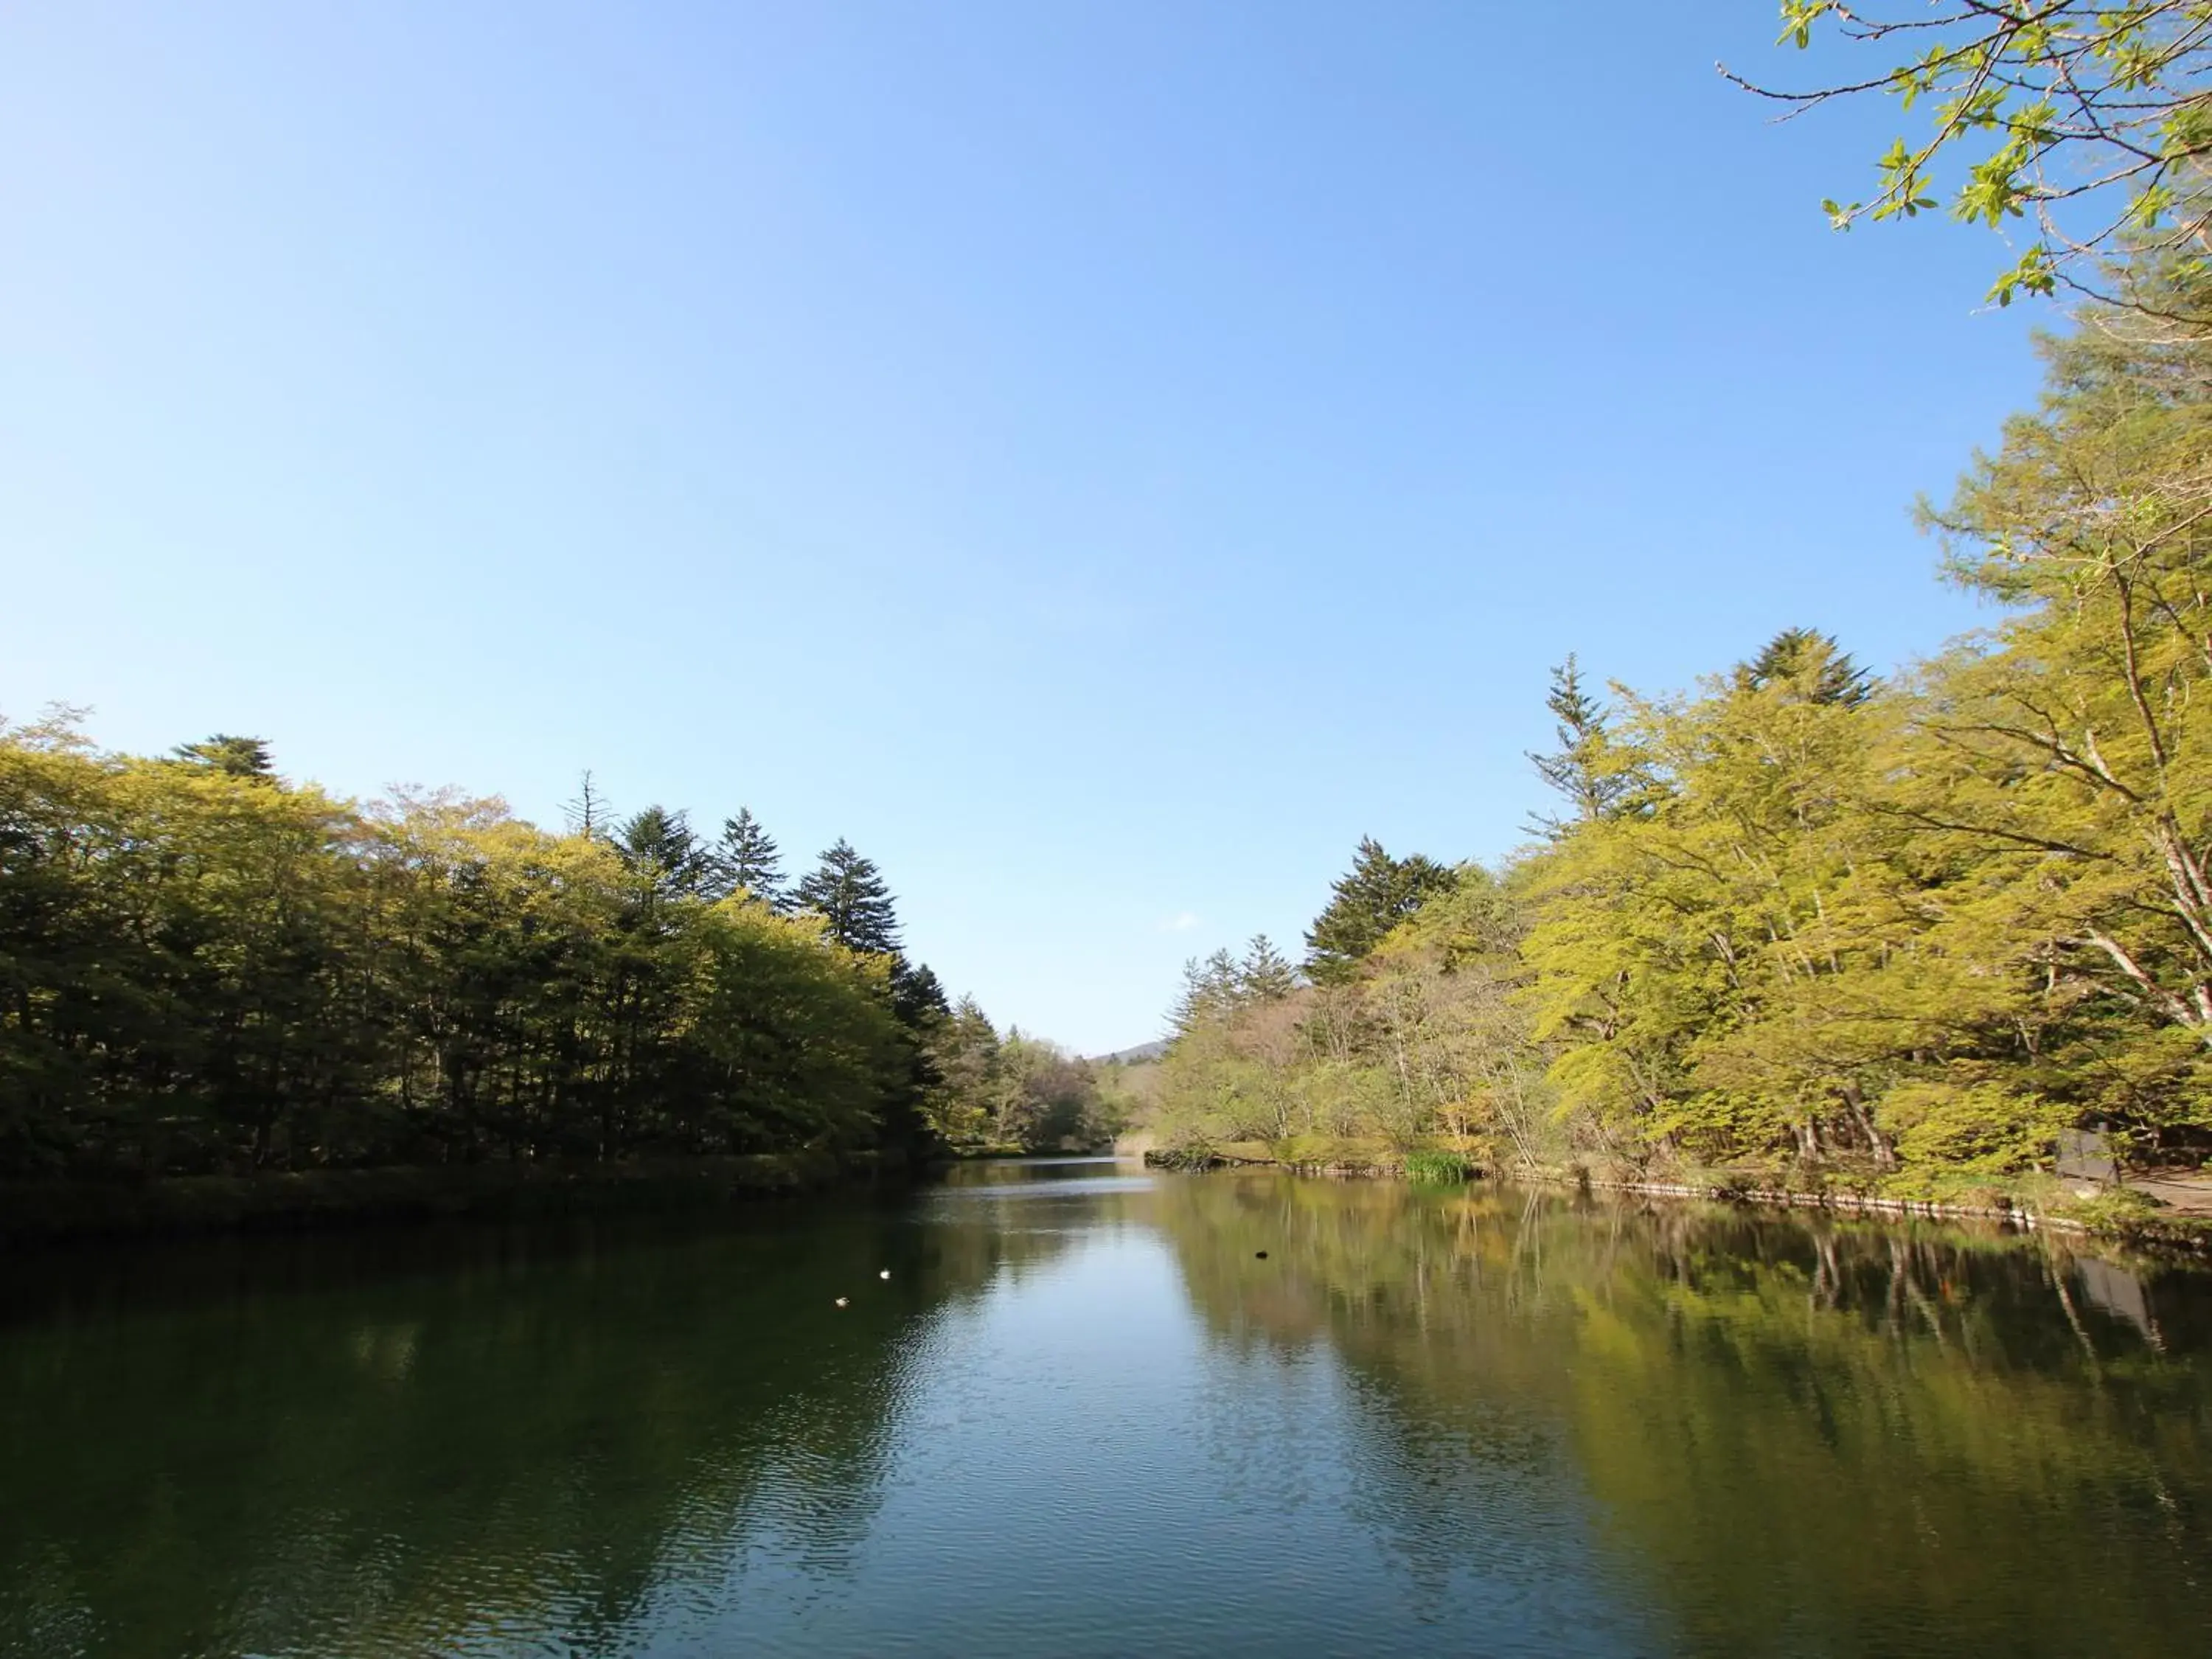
x=917 y=994
x=963 y=1052
x=1365 y=904
x=1587 y=767
x=1266 y=975
x=746 y=860
x=586 y=812
x=848 y=892
x=1808 y=663
x=662 y=846
x=1212 y=990
x=238 y=757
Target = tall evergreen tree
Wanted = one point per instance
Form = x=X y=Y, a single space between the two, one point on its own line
x=746 y=860
x=1587 y=767
x=1266 y=975
x=1212 y=990
x=917 y=994
x=1374 y=897
x=235 y=756
x=848 y=892
x=1810 y=665
x=662 y=846
x=963 y=1053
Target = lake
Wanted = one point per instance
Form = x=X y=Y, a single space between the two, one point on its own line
x=1096 y=1410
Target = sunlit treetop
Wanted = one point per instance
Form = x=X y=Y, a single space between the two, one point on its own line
x=2090 y=125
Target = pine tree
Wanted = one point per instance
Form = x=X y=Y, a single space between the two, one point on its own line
x=1588 y=767
x=1266 y=975
x=746 y=860
x=918 y=995
x=1807 y=663
x=661 y=846
x=963 y=1052
x=1377 y=894
x=1211 y=991
x=235 y=756
x=848 y=893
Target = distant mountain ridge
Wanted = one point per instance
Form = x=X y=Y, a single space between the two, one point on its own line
x=1136 y=1056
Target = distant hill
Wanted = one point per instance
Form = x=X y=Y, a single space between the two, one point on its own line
x=1137 y=1056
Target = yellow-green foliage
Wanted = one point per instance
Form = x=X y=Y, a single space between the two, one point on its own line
x=1804 y=914
x=203 y=969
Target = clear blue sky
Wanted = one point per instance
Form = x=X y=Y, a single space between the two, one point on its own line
x=1101 y=458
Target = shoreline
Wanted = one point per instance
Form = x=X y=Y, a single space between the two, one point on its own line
x=38 y=1212
x=2185 y=1235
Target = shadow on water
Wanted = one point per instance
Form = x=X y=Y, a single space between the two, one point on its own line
x=480 y=1439
x=1797 y=1435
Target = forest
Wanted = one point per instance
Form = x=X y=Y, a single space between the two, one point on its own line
x=1805 y=917
x=205 y=968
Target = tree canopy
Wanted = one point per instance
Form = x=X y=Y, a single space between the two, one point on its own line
x=850 y=895
x=1911 y=927
x=203 y=967
x=746 y=859
x=2085 y=121
x=1365 y=903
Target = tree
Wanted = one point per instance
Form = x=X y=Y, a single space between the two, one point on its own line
x=235 y=756
x=586 y=811
x=1588 y=767
x=1374 y=897
x=1045 y=1099
x=848 y=893
x=963 y=1052
x=917 y=994
x=2066 y=762
x=1809 y=665
x=1695 y=970
x=1211 y=991
x=2086 y=119
x=1265 y=975
x=746 y=860
x=661 y=847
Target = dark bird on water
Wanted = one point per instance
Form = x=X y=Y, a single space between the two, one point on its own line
x=1259 y=1256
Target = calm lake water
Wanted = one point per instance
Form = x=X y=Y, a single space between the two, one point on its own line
x=1084 y=1415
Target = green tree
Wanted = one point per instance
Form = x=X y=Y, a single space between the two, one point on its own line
x=849 y=893
x=1265 y=975
x=2065 y=761
x=1211 y=991
x=2084 y=119
x=964 y=1052
x=746 y=860
x=663 y=850
x=1365 y=904
x=1807 y=665
x=235 y=756
x=1588 y=767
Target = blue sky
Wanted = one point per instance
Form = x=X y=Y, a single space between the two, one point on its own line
x=1101 y=459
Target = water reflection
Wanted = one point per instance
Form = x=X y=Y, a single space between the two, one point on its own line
x=1084 y=1414
x=544 y=1439
x=1802 y=1436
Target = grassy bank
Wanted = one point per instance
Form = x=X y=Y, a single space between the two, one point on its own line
x=2029 y=1201
x=279 y=1201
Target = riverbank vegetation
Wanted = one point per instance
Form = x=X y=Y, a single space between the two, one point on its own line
x=206 y=969
x=1803 y=918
